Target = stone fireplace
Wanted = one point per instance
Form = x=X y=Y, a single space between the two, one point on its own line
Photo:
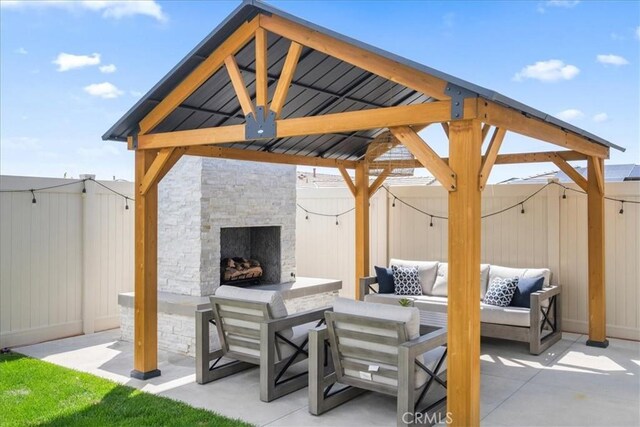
x=210 y=209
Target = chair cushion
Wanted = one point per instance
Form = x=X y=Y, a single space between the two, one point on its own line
x=409 y=315
x=500 y=292
x=426 y=270
x=442 y=276
x=513 y=316
x=509 y=272
x=385 y=280
x=526 y=286
x=406 y=280
x=274 y=299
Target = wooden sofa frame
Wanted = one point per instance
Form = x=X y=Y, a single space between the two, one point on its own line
x=273 y=383
x=545 y=319
x=328 y=387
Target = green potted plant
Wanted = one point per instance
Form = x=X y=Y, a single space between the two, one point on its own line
x=405 y=302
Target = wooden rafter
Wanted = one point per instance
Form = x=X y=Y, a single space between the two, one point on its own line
x=426 y=156
x=262 y=156
x=284 y=82
x=570 y=171
x=239 y=86
x=347 y=180
x=151 y=175
x=502 y=159
x=198 y=76
x=377 y=183
x=492 y=154
x=351 y=121
x=532 y=127
x=262 y=86
x=365 y=59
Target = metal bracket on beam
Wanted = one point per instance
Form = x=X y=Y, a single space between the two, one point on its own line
x=260 y=127
x=458 y=95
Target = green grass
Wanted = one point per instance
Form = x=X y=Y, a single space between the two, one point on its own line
x=33 y=392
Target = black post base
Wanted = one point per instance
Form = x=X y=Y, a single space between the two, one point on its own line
x=600 y=344
x=145 y=375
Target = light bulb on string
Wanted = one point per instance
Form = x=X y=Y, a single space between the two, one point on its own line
x=431 y=221
x=33 y=197
x=522 y=208
x=126 y=203
x=337 y=223
x=564 y=193
x=621 y=211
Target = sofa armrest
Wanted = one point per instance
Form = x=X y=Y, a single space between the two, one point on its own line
x=365 y=285
x=296 y=319
x=545 y=293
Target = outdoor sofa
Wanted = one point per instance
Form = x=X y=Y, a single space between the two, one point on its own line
x=540 y=325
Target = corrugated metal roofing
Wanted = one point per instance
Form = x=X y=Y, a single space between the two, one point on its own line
x=321 y=85
x=612 y=173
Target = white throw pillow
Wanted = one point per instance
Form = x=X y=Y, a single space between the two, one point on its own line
x=406 y=280
x=500 y=292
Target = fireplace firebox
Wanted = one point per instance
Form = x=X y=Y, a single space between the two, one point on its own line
x=250 y=255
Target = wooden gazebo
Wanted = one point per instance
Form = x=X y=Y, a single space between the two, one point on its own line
x=266 y=86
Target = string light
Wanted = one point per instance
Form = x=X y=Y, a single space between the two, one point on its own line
x=306 y=216
x=126 y=204
x=33 y=197
x=522 y=208
x=431 y=221
x=84 y=188
x=393 y=205
x=621 y=207
x=564 y=193
x=337 y=223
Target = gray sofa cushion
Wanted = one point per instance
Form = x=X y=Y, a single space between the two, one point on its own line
x=426 y=271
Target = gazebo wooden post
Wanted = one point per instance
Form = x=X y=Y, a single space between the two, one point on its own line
x=595 y=213
x=362 y=224
x=145 y=356
x=463 y=371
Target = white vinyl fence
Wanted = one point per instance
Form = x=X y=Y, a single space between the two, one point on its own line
x=551 y=233
x=63 y=260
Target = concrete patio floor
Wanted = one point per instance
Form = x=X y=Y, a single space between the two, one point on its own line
x=569 y=385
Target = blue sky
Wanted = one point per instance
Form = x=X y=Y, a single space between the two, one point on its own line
x=578 y=60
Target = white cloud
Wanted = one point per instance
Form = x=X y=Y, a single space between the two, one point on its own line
x=22 y=51
x=547 y=71
x=111 y=68
x=570 y=114
x=67 y=61
x=103 y=90
x=565 y=4
x=612 y=60
x=114 y=9
x=601 y=117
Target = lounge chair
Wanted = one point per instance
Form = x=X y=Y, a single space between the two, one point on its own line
x=378 y=347
x=254 y=329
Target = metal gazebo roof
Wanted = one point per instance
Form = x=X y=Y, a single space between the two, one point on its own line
x=321 y=85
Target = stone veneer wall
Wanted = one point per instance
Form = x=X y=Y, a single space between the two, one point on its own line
x=201 y=195
x=176 y=332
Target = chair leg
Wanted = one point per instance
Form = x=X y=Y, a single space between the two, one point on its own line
x=324 y=394
x=406 y=412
